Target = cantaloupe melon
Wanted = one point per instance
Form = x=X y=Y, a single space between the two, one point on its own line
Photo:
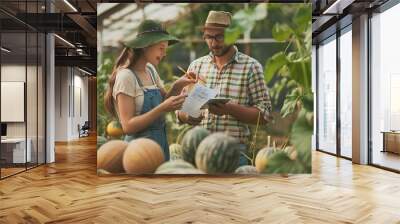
x=109 y=156
x=262 y=158
x=142 y=156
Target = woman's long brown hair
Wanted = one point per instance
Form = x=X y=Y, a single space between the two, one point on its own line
x=126 y=59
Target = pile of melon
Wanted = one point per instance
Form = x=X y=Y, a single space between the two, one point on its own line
x=140 y=156
x=199 y=152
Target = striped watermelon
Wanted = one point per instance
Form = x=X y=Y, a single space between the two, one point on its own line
x=218 y=153
x=177 y=167
x=191 y=141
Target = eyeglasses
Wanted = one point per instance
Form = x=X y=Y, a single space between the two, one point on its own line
x=218 y=38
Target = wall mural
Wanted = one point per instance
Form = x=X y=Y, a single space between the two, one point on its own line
x=204 y=89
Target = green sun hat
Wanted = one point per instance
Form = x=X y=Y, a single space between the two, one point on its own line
x=151 y=32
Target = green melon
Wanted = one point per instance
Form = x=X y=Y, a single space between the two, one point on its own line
x=247 y=169
x=177 y=167
x=191 y=141
x=218 y=153
x=262 y=158
x=175 y=152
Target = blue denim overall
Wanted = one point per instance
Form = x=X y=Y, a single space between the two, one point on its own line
x=157 y=130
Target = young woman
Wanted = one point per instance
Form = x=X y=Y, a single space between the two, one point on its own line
x=135 y=94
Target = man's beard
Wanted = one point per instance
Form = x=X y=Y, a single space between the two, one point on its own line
x=220 y=52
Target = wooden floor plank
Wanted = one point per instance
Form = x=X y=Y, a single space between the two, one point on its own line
x=69 y=191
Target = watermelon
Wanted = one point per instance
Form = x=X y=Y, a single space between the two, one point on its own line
x=177 y=167
x=191 y=141
x=247 y=169
x=218 y=153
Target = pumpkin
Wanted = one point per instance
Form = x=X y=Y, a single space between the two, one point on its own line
x=247 y=169
x=109 y=156
x=262 y=158
x=142 y=156
x=175 y=152
x=177 y=167
x=191 y=141
x=218 y=153
x=114 y=129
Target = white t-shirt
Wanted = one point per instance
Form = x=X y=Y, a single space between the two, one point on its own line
x=126 y=83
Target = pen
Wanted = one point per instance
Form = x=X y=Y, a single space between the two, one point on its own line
x=183 y=70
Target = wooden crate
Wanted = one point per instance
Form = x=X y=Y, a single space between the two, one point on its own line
x=392 y=142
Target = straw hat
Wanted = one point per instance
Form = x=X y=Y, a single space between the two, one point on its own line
x=218 y=20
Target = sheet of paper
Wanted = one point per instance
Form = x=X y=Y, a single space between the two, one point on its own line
x=196 y=98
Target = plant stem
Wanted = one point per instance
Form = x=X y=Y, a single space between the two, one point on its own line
x=254 y=139
x=301 y=51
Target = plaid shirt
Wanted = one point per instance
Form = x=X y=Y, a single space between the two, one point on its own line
x=241 y=80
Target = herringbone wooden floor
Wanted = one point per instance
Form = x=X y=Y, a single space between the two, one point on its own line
x=70 y=192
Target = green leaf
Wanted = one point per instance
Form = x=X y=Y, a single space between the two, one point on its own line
x=308 y=39
x=303 y=18
x=308 y=102
x=281 y=32
x=300 y=137
x=260 y=12
x=232 y=34
x=273 y=65
x=280 y=162
x=300 y=70
x=244 y=19
x=289 y=105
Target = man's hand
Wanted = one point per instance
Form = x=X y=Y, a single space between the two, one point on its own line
x=245 y=114
x=194 y=120
x=185 y=118
x=219 y=109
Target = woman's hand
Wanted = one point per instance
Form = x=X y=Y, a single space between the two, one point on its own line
x=173 y=103
x=187 y=79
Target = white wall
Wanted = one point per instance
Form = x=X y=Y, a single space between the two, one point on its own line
x=14 y=72
x=67 y=114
